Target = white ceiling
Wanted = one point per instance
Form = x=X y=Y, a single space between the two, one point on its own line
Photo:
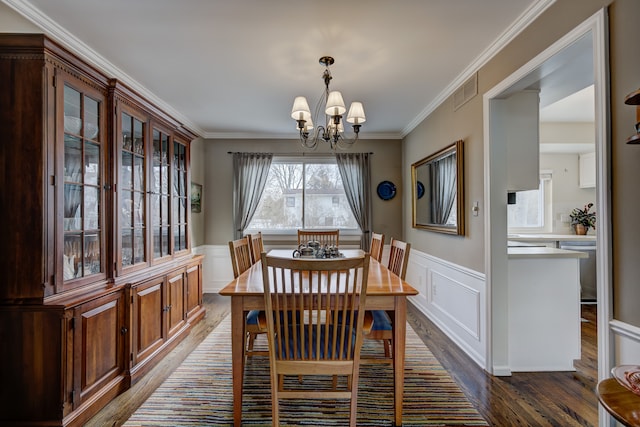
x=577 y=107
x=232 y=68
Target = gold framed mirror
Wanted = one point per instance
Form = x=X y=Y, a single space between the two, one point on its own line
x=438 y=191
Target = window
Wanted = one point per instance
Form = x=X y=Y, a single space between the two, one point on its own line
x=532 y=210
x=303 y=193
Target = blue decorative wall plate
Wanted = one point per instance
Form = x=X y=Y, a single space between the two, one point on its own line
x=420 y=188
x=386 y=190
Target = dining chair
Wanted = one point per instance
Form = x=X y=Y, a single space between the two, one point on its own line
x=325 y=237
x=377 y=245
x=241 y=260
x=314 y=326
x=257 y=246
x=381 y=325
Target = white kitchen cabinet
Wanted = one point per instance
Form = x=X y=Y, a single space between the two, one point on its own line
x=520 y=123
x=544 y=309
x=587 y=170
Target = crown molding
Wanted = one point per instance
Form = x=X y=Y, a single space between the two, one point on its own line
x=287 y=136
x=76 y=46
x=523 y=21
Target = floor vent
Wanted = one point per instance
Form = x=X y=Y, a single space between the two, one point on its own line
x=467 y=91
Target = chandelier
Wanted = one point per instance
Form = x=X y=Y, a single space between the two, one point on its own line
x=332 y=129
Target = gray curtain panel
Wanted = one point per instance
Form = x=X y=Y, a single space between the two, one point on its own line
x=250 y=171
x=443 y=188
x=355 y=170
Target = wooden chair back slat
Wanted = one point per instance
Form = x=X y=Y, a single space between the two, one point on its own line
x=240 y=255
x=257 y=246
x=377 y=245
x=325 y=237
x=399 y=257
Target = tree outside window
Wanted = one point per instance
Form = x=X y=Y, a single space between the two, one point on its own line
x=303 y=194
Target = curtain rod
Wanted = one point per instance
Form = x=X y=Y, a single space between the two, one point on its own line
x=290 y=154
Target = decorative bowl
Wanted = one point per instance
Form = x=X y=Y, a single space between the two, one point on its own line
x=90 y=130
x=628 y=376
x=72 y=124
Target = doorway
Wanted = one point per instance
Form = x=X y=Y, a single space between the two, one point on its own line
x=554 y=60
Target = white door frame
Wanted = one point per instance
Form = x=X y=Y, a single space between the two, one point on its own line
x=495 y=201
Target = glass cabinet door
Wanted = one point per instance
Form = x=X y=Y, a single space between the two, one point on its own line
x=160 y=195
x=180 y=202
x=83 y=198
x=132 y=191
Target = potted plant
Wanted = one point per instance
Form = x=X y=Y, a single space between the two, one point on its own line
x=583 y=219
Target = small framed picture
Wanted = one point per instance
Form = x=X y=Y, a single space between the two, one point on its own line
x=196 y=197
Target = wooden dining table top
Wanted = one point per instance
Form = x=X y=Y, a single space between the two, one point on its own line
x=381 y=281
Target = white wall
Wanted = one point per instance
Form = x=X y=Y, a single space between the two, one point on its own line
x=566 y=192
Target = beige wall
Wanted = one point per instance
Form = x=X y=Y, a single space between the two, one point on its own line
x=625 y=78
x=386 y=164
x=13 y=22
x=444 y=126
x=197 y=175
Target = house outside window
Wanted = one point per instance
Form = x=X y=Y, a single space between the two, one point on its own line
x=532 y=212
x=291 y=202
x=303 y=193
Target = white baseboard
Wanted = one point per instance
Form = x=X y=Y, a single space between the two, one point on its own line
x=454 y=298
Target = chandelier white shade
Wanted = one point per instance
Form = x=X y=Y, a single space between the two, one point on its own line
x=331 y=129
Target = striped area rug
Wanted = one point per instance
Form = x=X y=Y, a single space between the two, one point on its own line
x=199 y=392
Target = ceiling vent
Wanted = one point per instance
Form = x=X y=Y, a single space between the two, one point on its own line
x=467 y=91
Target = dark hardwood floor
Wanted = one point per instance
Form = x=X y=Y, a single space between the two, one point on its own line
x=524 y=399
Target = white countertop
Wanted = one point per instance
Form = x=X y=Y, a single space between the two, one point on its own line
x=543 y=252
x=552 y=237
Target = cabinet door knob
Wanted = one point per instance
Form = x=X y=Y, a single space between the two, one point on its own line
x=124 y=330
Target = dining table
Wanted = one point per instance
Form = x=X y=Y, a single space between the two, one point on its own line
x=385 y=291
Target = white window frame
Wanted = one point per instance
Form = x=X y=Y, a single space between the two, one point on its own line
x=546 y=184
x=304 y=160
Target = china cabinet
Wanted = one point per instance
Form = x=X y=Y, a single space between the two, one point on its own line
x=99 y=279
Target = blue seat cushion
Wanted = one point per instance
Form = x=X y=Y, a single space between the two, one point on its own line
x=331 y=350
x=381 y=321
x=252 y=317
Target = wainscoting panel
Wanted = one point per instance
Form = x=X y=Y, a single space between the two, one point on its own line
x=454 y=298
x=627 y=342
x=459 y=302
x=216 y=267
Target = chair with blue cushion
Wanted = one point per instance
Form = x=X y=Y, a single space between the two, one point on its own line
x=306 y=301
x=381 y=324
x=241 y=261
